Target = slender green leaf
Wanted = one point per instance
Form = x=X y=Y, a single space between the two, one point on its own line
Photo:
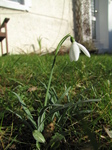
x=29 y=115
x=38 y=136
x=63 y=95
x=41 y=120
x=56 y=140
x=37 y=145
x=19 y=116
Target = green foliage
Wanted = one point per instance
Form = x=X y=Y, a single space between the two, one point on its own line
x=55 y=141
x=73 y=89
x=41 y=120
x=26 y=110
x=38 y=137
x=32 y=125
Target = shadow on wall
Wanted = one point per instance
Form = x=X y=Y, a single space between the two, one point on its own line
x=109 y=50
x=110 y=41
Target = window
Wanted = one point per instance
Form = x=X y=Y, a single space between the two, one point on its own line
x=16 y=4
x=18 y=1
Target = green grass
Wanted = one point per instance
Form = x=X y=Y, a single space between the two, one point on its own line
x=89 y=78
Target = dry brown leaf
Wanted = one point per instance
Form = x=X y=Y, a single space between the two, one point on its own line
x=49 y=129
x=32 y=89
x=109 y=132
x=2 y=90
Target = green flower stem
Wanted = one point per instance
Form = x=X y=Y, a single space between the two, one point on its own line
x=50 y=78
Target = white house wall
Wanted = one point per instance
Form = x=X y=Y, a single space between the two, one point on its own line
x=49 y=20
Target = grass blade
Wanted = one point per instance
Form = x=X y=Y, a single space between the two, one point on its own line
x=29 y=115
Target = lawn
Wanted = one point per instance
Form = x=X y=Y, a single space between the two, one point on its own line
x=84 y=122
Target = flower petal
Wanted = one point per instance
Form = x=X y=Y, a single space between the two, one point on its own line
x=71 y=53
x=74 y=52
x=85 y=51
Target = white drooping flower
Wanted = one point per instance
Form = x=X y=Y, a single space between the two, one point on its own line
x=75 y=50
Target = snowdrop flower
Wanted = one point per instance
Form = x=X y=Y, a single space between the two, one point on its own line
x=75 y=50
